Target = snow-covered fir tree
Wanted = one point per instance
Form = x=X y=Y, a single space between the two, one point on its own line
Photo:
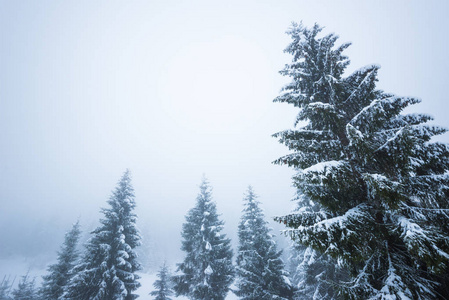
x=260 y=269
x=207 y=271
x=61 y=272
x=381 y=183
x=163 y=285
x=5 y=288
x=26 y=289
x=107 y=269
x=312 y=272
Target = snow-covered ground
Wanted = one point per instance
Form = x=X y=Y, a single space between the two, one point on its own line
x=147 y=286
x=18 y=266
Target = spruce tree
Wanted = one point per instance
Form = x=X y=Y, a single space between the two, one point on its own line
x=312 y=272
x=25 y=289
x=163 y=286
x=207 y=270
x=260 y=269
x=380 y=182
x=107 y=269
x=60 y=273
x=5 y=288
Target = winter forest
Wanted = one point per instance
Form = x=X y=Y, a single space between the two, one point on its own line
x=173 y=150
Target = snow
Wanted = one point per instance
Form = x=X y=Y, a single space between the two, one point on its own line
x=390 y=140
x=18 y=266
x=322 y=166
x=365 y=68
x=394 y=288
x=208 y=270
x=352 y=132
x=147 y=280
x=440 y=252
x=321 y=105
x=353 y=213
x=410 y=229
x=286 y=280
x=360 y=72
x=208 y=246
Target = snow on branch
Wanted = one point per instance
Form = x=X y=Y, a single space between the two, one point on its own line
x=369 y=74
x=319 y=171
x=302 y=219
x=381 y=186
x=420 y=241
x=323 y=167
x=326 y=233
x=381 y=110
x=394 y=287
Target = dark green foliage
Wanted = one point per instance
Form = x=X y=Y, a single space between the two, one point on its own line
x=207 y=271
x=380 y=182
x=60 y=273
x=260 y=269
x=163 y=285
x=107 y=269
x=313 y=274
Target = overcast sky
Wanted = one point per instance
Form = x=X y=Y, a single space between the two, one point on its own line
x=173 y=90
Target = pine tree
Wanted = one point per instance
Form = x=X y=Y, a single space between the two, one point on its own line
x=163 y=285
x=207 y=271
x=260 y=269
x=60 y=273
x=381 y=184
x=25 y=289
x=107 y=269
x=5 y=287
x=311 y=271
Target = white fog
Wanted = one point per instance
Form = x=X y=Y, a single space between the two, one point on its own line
x=173 y=91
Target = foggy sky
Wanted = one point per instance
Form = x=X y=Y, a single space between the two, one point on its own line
x=173 y=90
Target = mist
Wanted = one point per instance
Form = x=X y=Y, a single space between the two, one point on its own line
x=172 y=91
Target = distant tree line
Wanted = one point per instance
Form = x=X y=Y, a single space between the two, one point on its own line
x=107 y=267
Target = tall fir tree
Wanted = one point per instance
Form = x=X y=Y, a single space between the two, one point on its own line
x=60 y=273
x=26 y=289
x=207 y=270
x=381 y=184
x=107 y=269
x=260 y=269
x=163 y=285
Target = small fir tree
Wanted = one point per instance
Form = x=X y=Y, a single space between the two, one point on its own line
x=5 y=288
x=381 y=184
x=163 y=285
x=25 y=289
x=107 y=269
x=60 y=273
x=260 y=269
x=207 y=271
